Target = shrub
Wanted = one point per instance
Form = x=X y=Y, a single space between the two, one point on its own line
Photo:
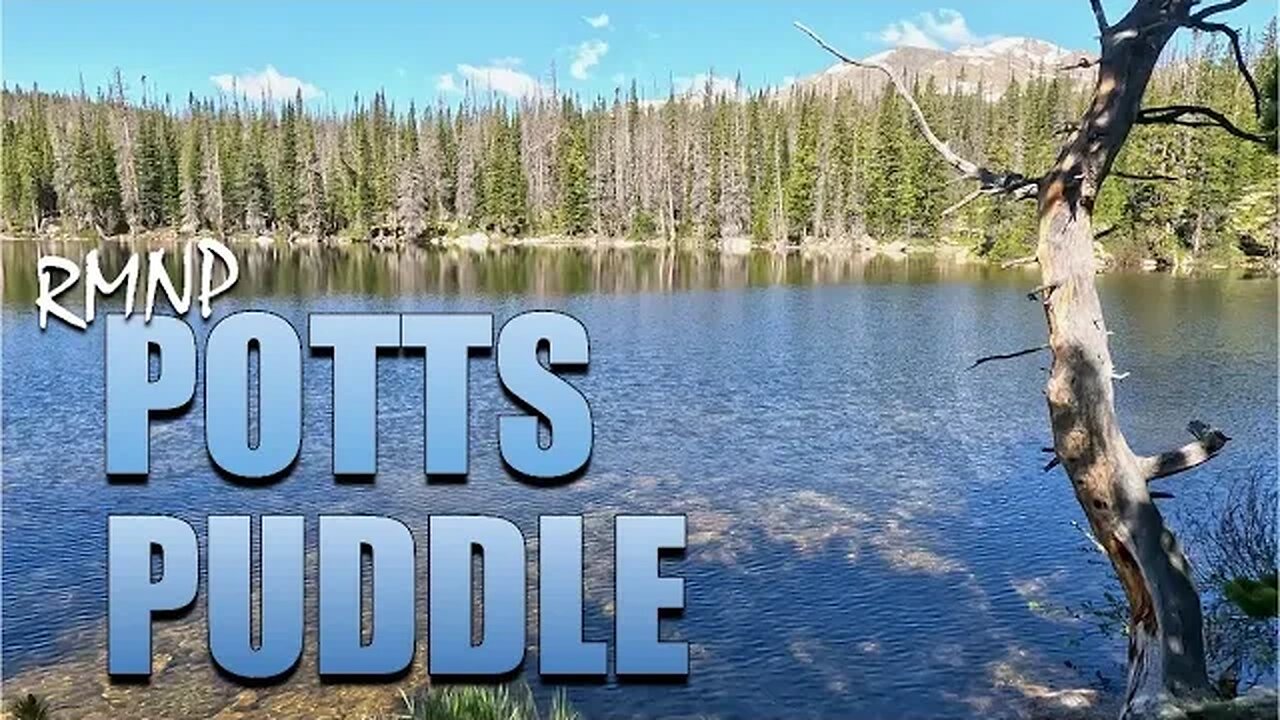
x=482 y=702
x=29 y=708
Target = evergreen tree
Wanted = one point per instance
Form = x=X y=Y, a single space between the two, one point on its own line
x=170 y=181
x=149 y=163
x=285 y=193
x=257 y=188
x=38 y=195
x=11 y=189
x=504 y=186
x=884 y=169
x=231 y=170
x=84 y=173
x=412 y=212
x=192 y=172
x=571 y=175
x=108 y=203
x=802 y=176
x=315 y=216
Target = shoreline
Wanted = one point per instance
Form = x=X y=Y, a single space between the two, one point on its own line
x=867 y=247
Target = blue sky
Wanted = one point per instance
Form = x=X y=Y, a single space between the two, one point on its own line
x=423 y=50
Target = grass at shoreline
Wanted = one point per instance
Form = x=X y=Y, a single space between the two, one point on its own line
x=448 y=702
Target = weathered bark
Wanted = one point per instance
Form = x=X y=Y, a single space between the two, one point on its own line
x=1166 y=646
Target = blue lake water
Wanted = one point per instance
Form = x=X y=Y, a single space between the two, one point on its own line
x=871 y=533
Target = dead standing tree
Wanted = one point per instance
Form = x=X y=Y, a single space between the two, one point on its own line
x=1166 y=646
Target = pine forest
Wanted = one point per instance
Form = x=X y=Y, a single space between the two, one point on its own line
x=784 y=167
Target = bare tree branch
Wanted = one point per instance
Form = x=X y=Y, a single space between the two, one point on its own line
x=1041 y=292
x=1242 y=64
x=1100 y=14
x=1007 y=356
x=993 y=183
x=964 y=201
x=1084 y=62
x=1175 y=115
x=1218 y=8
x=1209 y=441
x=963 y=166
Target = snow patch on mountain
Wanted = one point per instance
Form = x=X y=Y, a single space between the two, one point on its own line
x=1023 y=48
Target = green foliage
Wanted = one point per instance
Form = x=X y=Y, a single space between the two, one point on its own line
x=29 y=707
x=1233 y=554
x=884 y=168
x=1267 y=79
x=286 y=167
x=802 y=173
x=29 y=195
x=191 y=182
x=156 y=163
x=643 y=227
x=1256 y=598
x=231 y=186
x=1219 y=198
x=571 y=175
x=504 y=189
x=480 y=702
x=764 y=174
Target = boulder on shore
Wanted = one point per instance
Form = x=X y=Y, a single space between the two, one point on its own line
x=735 y=245
x=475 y=242
x=1259 y=704
x=896 y=250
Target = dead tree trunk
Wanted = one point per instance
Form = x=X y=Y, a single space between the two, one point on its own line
x=1166 y=643
x=1166 y=647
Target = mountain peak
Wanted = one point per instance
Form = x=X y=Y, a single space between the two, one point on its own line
x=991 y=65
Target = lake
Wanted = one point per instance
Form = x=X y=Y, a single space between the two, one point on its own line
x=871 y=533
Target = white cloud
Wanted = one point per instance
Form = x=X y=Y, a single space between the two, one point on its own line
x=907 y=34
x=951 y=27
x=503 y=79
x=934 y=30
x=446 y=84
x=507 y=62
x=268 y=83
x=588 y=56
x=597 y=21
